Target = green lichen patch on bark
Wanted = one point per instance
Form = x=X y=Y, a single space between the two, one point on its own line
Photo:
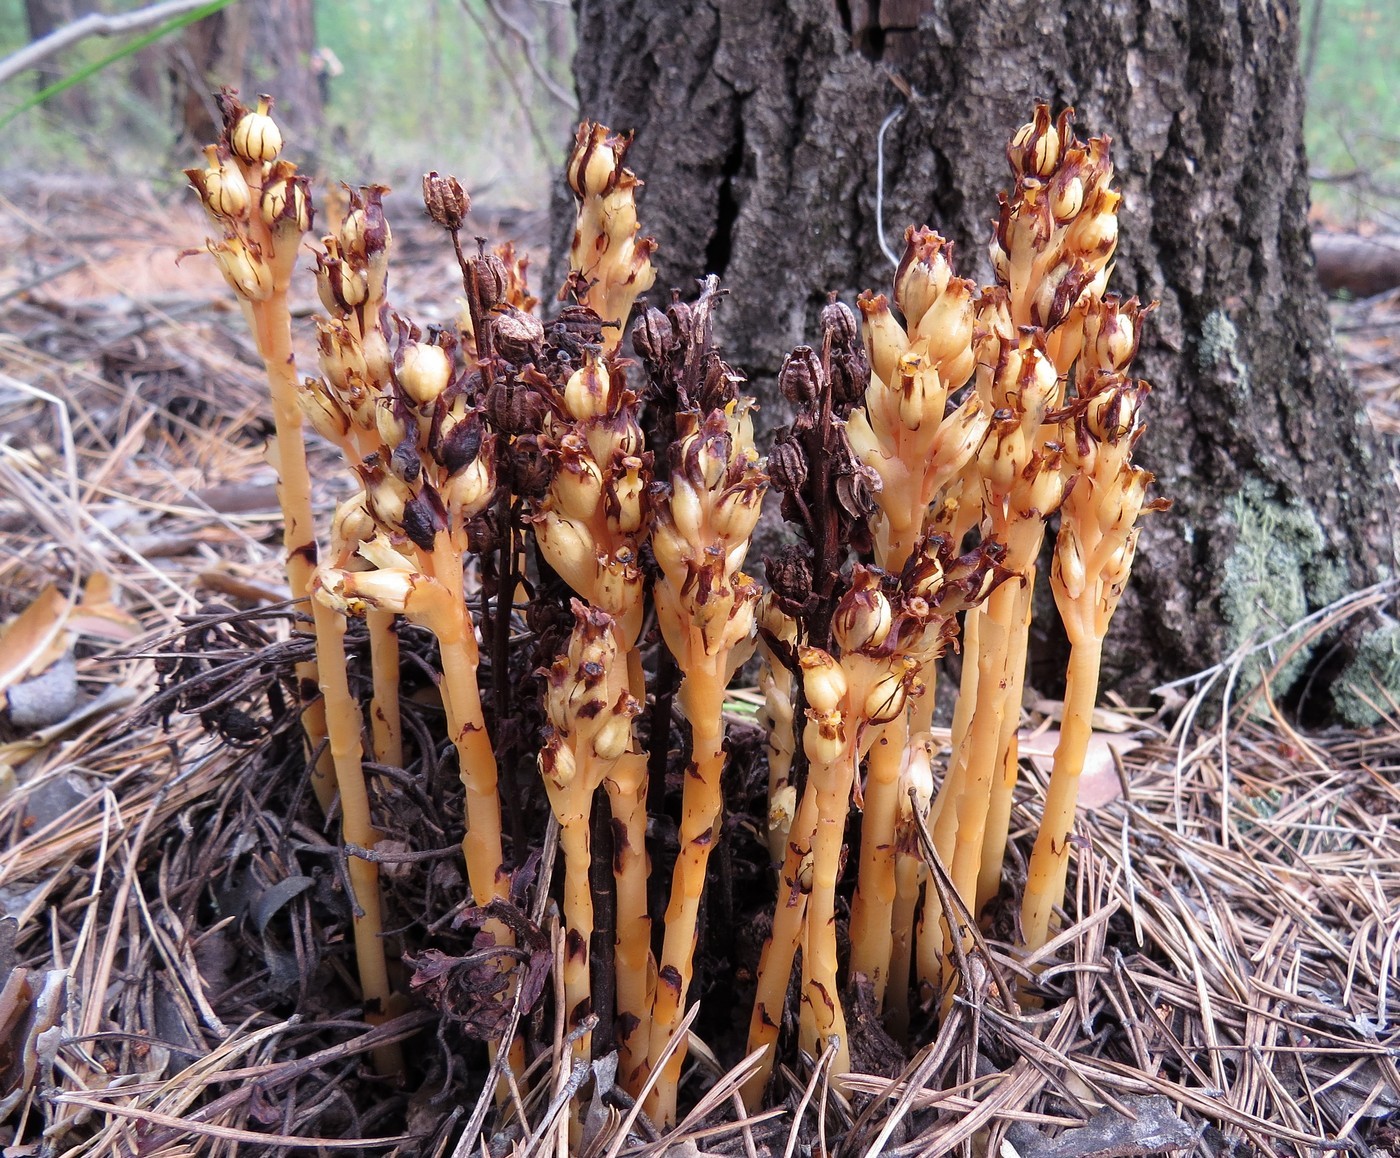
x=1276 y=574
x=1371 y=681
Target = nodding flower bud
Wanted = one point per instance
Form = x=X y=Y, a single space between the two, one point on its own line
x=285 y=202
x=916 y=779
x=423 y=371
x=221 y=185
x=327 y=417
x=1067 y=196
x=613 y=738
x=587 y=392
x=391 y=419
x=888 y=696
x=1068 y=566
x=823 y=681
x=1036 y=148
x=351 y=592
x=386 y=498
x=352 y=525
x=243 y=268
x=863 y=617
x=885 y=339
x=824 y=737
x=1060 y=291
x=557 y=763
x=923 y=273
x=1111 y=412
x=365 y=236
x=1111 y=333
x=596 y=160
x=256 y=137
x=467 y=492
x=445 y=199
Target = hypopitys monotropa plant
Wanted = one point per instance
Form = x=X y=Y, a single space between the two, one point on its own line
x=263 y=209
x=523 y=443
x=705 y=607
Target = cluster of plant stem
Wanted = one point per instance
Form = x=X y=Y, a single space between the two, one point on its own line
x=610 y=502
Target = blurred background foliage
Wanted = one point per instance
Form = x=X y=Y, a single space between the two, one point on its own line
x=1350 y=54
x=482 y=88
x=371 y=90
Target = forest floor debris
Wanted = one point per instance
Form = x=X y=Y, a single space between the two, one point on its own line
x=1230 y=980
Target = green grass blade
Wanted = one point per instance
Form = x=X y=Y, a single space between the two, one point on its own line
x=147 y=38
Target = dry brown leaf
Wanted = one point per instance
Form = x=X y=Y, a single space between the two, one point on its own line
x=1098 y=783
x=1105 y=720
x=98 y=616
x=34 y=638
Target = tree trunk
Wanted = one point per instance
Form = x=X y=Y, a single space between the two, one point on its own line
x=42 y=17
x=257 y=46
x=757 y=125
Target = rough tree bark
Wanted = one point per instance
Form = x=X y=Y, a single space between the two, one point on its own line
x=757 y=125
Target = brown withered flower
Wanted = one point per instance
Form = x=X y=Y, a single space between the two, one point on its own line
x=446 y=201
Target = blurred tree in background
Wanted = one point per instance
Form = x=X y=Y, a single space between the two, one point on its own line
x=368 y=89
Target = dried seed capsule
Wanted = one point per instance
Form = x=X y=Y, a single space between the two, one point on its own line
x=800 y=379
x=445 y=199
x=838 y=321
x=790 y=576
x=652 y=336
x=489 y=280
x=787 y=467
x=518 y=335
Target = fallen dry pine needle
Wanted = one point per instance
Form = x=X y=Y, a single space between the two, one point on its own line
x=524 y=617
